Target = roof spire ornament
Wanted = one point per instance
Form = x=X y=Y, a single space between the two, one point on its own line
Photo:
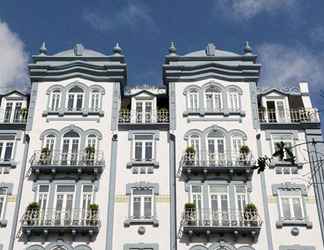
x=43 y=49
x=172 y=49
x=117 y=49
x=247 y=48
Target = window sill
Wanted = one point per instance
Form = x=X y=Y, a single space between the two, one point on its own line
x=292 y=222
x=83 y=113
x=3 y=223
x=205 y=112
x=277 y=163
x=10 y=163
x=151 y=221
x=152 y=163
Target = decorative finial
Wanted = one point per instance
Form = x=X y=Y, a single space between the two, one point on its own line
x=172 y=49
x=117 y=49
x=78 y=49
x=43 y=49
x=210 y=50
x=247 y=48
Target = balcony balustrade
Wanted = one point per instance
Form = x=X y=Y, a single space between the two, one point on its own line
x=289 y=116
x=134 y=117
x=64 y=221
x=207 y=222
x=79 y=163
x=230 y=164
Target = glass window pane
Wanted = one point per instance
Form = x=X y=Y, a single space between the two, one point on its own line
x=138 y=151
x=8 y=152
x=137 y=207
x=148 y=207
x=285 y=208
x=148 y=151
x=297 y=208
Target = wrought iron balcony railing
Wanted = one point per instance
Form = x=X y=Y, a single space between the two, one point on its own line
x=211 y=163
x=289 y=116
x=209 y=221
x=56 y=162
x=74 y=221
x=129 y=117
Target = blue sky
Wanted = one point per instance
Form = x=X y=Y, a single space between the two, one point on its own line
x=287 y=35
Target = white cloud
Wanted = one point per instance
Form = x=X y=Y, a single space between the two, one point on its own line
x=286 y=66
x=249 y=8
x=13 y=60
x=132 y=15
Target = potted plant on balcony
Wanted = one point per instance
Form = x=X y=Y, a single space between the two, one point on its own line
x=244 y=151
x=90 y=153
x=250 y=214
x=45 y=154
x=32 y=213
x=190 y=212
x=93 y=214
x=190 y=155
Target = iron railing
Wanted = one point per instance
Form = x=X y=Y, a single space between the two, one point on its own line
x=127 y=116
x=215 y=218
x=54 y=158
x=59 y=218
x=289 y=116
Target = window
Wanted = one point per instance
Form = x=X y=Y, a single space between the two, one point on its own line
x=216 y=148
x=75 y=99
x=193 y=100
x=291 y=205
x=42 y=198
x=6 y=149
x=213 y=100
x=240 y=199
x=87 y=200
x=142 y=203
x=143 y=148
x=3 y=199
x=55 y=100
x=92 y=141
x=234 y=100
x=276 y=111
x=95 y=101
x=17 y=112
x=144 y=111
x=70 y=148
x=8 y=111
x=64 y=203
x=194 y=141
x=237 y=143
x=286 y=139
x=219 y=203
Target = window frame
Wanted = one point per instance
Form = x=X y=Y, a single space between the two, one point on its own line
x=143 y=148
x=142 y=204
x=3 y=150
x=216 y=95
x=291 y=205
x=75 y=96
x=4 y=203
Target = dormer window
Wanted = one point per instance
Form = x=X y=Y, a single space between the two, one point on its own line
x=276 y=111
x=75 y=99
x=213 y=99
x=144 y=111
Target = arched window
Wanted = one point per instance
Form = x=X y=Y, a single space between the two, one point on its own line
x=194 y=141
x=55 y=100
x=213 y=99
x=216 y=147
x=193 y=99
x=75 y=99
x=234 y=100
x=70 y=148
x=95 y=100
x=92 y=141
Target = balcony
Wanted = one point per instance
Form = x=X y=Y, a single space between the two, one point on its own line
x=218 y=165
x=289 y=116
x=13 y=121
x=157 y=118
x=209 y=222
x=84 y=111
x=52 y=221
x=79 y=164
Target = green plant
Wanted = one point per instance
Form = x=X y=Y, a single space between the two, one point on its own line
x=190 y=207
x=93 y=214
x=190 y=150
x=34 y=206
x=94 y=207
x=262 y=163
x=90 y=152
x=24 y=112
x=244 y=150
x=250 y=207
x=250 y=213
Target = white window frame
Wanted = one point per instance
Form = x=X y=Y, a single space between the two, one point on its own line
x=143 y=141
x=194 y=140
x=291 y=141
x=291 y=208
x=193 y=100
x=95 y=106
x=4 y=197
x=55 y=103
x=217 y=94
x=14 y=104
x=219 y=201
x=92 y=194
x=144 y=116
x=75 y=99
x=4 y=147
x=65 y=193
x=142 y=203
x=234 y=100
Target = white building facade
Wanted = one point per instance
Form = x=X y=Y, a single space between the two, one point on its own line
x=94 y=164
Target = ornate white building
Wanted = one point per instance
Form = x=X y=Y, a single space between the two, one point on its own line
x=87 y=163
